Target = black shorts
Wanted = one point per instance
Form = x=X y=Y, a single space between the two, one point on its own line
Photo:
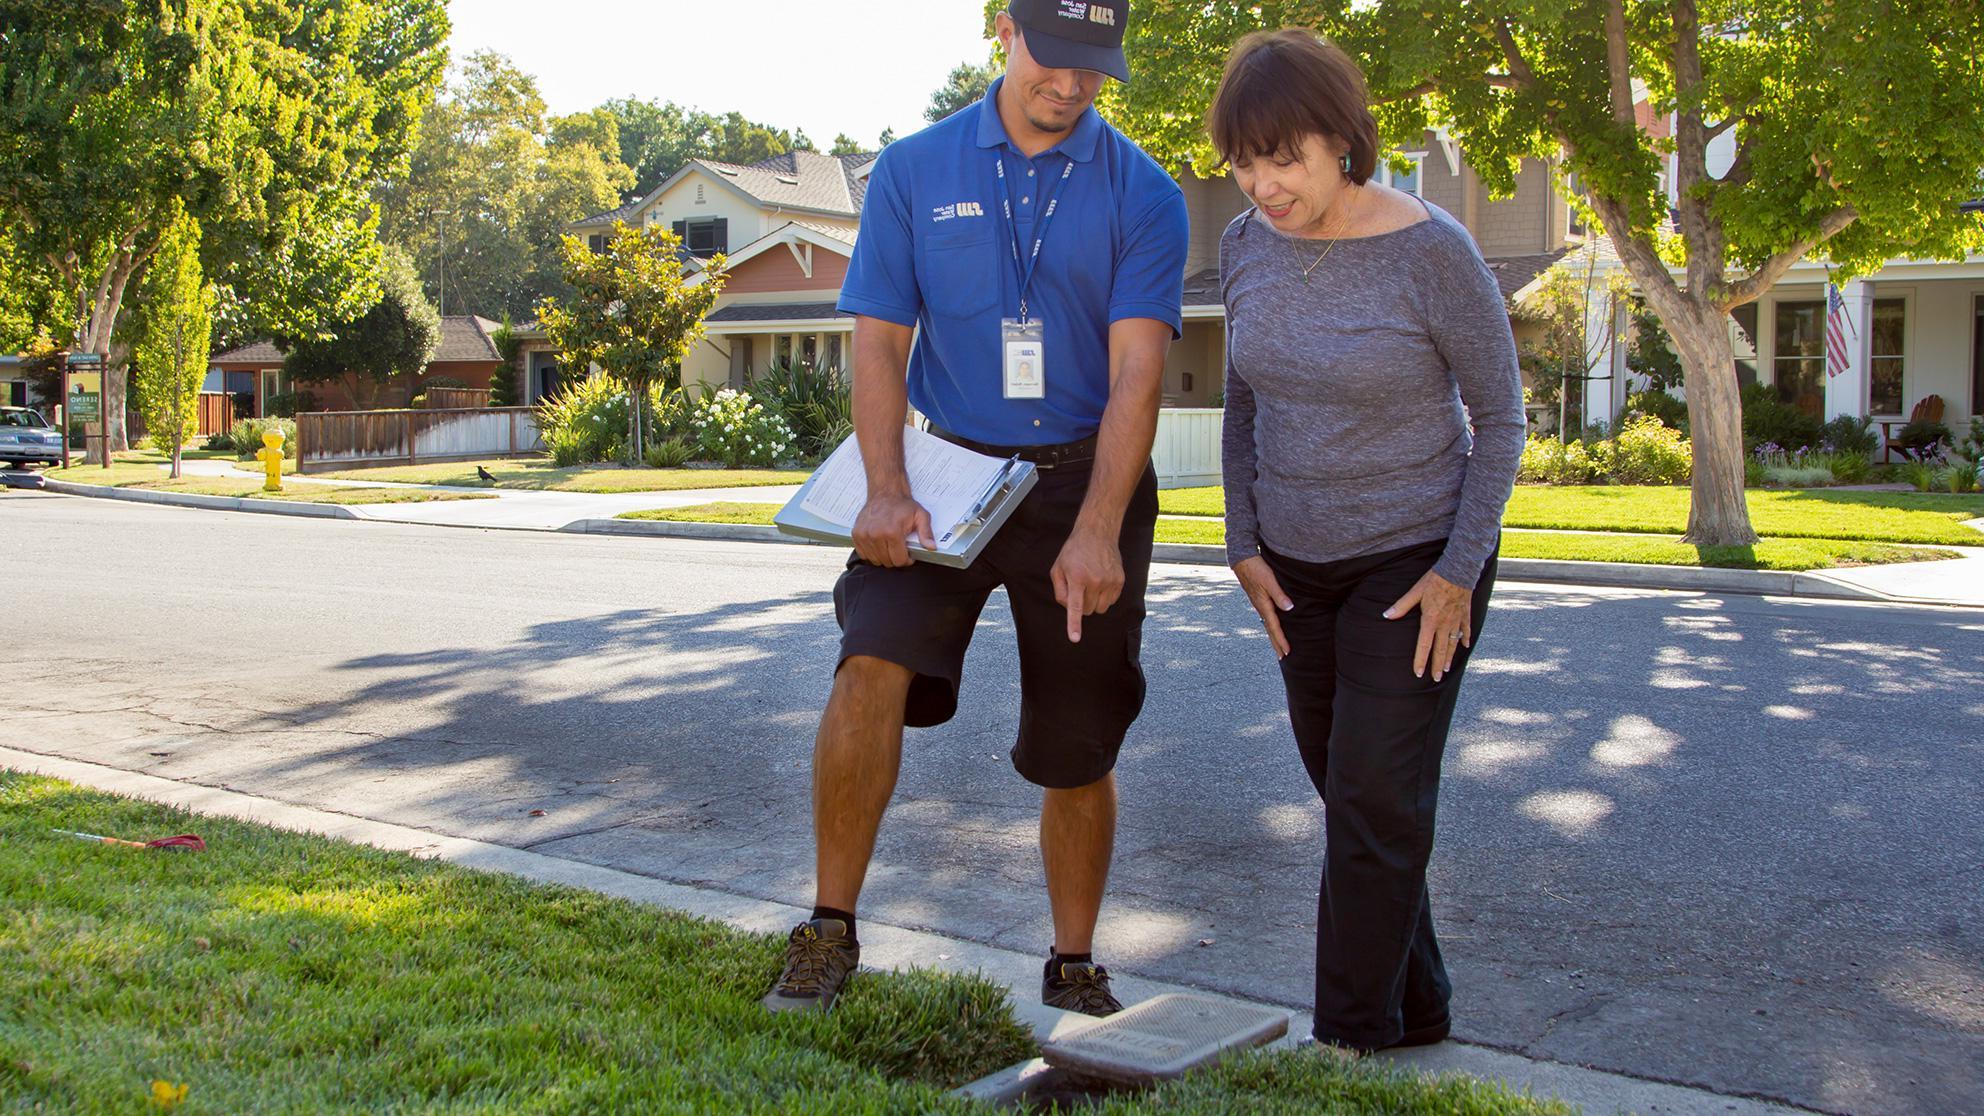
x=1077 y=700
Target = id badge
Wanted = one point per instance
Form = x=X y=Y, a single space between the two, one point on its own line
x=1026 y=359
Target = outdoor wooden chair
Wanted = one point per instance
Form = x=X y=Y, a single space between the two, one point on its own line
x=1927 y=409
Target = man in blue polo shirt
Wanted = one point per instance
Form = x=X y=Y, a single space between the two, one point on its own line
x=1042 y=255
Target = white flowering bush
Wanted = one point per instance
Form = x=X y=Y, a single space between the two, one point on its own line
x=737 y=430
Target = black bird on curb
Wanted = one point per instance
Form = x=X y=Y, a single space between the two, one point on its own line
x=485 y=474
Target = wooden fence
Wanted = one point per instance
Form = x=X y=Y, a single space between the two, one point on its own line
x=216 y=413
x=1186 y=452
x=455 y=399
x=355 y=439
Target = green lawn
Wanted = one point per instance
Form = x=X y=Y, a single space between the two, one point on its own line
x=1903 y=517
x=131 y=474
x=539 y=474
x=288 y=972
x=1770 y=554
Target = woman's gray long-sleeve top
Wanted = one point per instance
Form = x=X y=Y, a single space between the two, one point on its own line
x=1349 y=396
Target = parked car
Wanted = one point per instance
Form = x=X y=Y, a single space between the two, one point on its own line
x=26 y=438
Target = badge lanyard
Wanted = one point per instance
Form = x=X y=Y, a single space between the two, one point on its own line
x=1027 y=265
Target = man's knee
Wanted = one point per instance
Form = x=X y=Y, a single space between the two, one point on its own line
x=865 y=685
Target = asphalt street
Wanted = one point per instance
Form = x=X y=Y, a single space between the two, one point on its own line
x=1731 y=842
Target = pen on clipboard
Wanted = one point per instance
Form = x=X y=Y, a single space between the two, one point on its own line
x=976 y=516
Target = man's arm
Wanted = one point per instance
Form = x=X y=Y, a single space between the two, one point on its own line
x=881 y=399
x=1088 y=576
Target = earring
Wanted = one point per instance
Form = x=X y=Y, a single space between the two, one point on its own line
x=1345 y=164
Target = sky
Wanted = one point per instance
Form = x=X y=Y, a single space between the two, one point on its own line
x=825 y=66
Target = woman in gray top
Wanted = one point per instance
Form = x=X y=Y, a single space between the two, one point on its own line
x=1374 y=423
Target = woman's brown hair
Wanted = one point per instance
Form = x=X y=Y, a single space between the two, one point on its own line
x=1280 y=86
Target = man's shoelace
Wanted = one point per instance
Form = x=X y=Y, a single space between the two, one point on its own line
x=807 y=963
x=1088 y=986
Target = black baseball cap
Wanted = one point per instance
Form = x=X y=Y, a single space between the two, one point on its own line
x=1075 y=34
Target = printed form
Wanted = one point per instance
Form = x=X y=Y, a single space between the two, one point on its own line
x=948 y=480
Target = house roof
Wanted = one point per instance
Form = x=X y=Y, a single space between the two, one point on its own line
x=776 y=312
x=1513 y=273
x=1202 y=288
x=463 y=337
x=831 y=184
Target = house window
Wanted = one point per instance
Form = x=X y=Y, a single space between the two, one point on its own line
x=705 y=236
x=596 y=242
x=834 y=352
x=1888 y=336
x=1409 y=182
x=1743 y=342
x=1574 y=223
x=809 y=349
x=1798 y=361
x=17 y=393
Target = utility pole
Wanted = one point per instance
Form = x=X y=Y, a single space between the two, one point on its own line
x=441 y=259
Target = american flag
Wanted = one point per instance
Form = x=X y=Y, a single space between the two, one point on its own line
x=1835 y=331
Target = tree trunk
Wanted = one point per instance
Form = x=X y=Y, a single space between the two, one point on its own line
x=1717 y=514
x=639 y=449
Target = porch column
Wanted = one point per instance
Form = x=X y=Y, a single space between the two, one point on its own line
x=1846 y=393
x=1605 y=332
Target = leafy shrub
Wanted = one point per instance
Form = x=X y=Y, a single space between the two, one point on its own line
x=219 y=440
x=585 y=423
x=1961 y=477
x=1797 y=476
x=1972 y=449
x=1549 y=461
x=737 y=430
x=816 y=402
x=1647 y=452
x=1847 y=434
x=1657 y=404
x=247 y=436
x=1756 y=474
x=287 y=404
x=1924 y=474
x=1922 y=438
x=669 y=453
x=1849 y=467
x=1766 y=418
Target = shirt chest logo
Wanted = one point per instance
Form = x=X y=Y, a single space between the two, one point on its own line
x=956 y=210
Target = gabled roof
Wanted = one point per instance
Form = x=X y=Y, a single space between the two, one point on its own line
x=834 y=185
x=463 y=337
x=776 y=312
x=1515 y=273
x=791 y=233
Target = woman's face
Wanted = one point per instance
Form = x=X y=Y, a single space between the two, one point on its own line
x=1294 y=190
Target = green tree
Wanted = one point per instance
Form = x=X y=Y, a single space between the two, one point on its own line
x=381 y=351
x=845 y=144
x=1857 y=130
x=503 y=382
x=967 y=84
x=494 y=184
x=270 y=122
x=1570 y=297
x=632 y=313
x=171 y=355
x=658 y=138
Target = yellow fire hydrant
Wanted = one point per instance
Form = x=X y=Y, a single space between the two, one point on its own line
x=271 y=457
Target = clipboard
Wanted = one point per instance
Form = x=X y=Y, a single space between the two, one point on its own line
x=963 y=543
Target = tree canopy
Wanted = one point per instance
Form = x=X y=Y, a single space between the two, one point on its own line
x=270 y=122
x=380 y=352
x=657 y=138
x=632 y=311
x=494 y=183
x=965 y=86
x=1854 y=133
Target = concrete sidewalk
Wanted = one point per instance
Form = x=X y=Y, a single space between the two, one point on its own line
x=1958 y=582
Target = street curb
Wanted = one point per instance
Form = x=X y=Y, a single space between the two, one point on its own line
x=1765 y=583
x=194 y=500
x=890 y=947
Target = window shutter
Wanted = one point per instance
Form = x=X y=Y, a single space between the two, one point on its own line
x=722 y=238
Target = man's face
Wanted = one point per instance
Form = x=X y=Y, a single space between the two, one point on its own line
x=1051 y=100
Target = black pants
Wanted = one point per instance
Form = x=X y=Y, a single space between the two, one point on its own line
x=1372 y=737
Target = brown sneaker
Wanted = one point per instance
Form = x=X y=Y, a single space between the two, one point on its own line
x=818 y=958
x=1078 y=986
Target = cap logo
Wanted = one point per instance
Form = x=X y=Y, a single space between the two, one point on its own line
x=1102 y=15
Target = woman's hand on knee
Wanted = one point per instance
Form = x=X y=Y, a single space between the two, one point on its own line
x=1446 y=622
x=1258 y=580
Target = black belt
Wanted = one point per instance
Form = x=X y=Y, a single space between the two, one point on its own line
x=1043 y=457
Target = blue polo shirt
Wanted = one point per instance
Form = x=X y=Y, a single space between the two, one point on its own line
x=935 y=251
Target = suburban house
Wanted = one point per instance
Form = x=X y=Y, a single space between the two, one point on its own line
x=1914 y=329
x=788 y=226
x=253 y=374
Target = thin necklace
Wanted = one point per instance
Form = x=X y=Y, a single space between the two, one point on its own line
x=1341 y=229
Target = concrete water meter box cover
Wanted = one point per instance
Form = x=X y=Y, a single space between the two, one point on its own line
x=1163 y=1037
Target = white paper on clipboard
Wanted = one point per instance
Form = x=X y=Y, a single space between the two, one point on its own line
x=949 y=481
